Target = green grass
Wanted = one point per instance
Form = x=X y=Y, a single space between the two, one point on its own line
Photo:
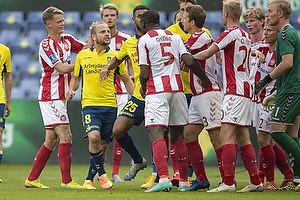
x=13 y=177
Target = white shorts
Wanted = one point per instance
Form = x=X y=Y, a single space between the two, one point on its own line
x=255 y=114
x=54 y=113
x=236 y=110
x=205 y=109
x=166 y=109
x=262 y=120
x=122 y=100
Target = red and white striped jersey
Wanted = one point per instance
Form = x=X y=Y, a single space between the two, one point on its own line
x=53 y=84
x=209 y=66
x=116 y=44
x=161 y=50
x=253 y=66
x=263 y=69
x=235 y=46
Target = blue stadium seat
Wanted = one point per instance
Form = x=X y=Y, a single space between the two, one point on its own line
x=37 y=35
x=125 y=23
x=163 y=19
x=17 y=93
x=35 y=21
x=18 y=59
x=295 y=20
x=214 y=23
x=72 y=22
x=23 y=45
x=31 y=69
x=7 y=36
x=171 y=17
x=12 y=20
x=89 y=17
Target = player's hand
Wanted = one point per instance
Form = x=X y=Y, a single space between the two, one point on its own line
x=70 y=94
x=7 y=109
x=209 y=42
x=143 y=92
x=183 y=67
x=269 y=101
x=103 y=74
x=259 y=55
x=260 y=85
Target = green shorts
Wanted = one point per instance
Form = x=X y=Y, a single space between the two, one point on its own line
x=286 y=109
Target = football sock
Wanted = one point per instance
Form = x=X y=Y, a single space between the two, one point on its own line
x=92 y=170
x=182 y=159
x=196 y=158
x=160 y=156
x=229 y=155
x=98 y=160
x=172 y=157
x=39 y=162
x=261 y=163
x=64 y=160
x=127 y=144
x=219 y=161
x=291 y=147
x=282 y=163
x=269 y=158
x=117 y=157
x=249 y=160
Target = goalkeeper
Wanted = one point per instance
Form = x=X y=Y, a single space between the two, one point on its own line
x=286 y=114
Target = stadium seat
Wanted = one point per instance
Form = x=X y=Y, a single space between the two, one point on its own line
x=125 y=23
x=89 y=17
x=7 y=36
x=295 y=20
x=72 y=22
x=37 y=35
x=35 y=21
x=171 y=17
x=13 y=20
x=31 y=69
x=23 y=45
x=19 y=59
x=163 y=19
x=17 y=93
x=214 y=20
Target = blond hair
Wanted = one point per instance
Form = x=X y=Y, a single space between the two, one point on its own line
x=94 y=26
x=284 y=6
x=108 y=6
x=254 y=12
x=234 y=9
x=49 y=13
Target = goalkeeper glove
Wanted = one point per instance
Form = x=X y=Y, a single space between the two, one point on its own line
x=269 y=101
x=260 y=85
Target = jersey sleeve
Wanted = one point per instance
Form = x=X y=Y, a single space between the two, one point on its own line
x=141 y=51
x=224 y=39
x=77 y=67
x=47 y=53
x=7 y=61
x=76 y=45
x=123 y=51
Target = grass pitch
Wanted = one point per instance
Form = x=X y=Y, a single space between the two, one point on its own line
x=13 y=177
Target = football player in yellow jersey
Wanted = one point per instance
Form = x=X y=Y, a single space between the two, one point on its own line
x=133 y=112
x=99 y=104
x=5 y=94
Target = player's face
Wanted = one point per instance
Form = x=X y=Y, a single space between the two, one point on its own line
x=178 y=18
x=186 y=22
x=254 y=25
x=102 y=36
x=57 y=24
x=110 y=17
x=182 y=6
x=270 y=33
x=272 y=15
x=137 y=18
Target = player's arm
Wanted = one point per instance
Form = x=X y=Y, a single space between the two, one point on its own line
x=112 y=64
x=257 y=54
x=195 y=67
x=129 y=85
x=281 y=69
x=207 y=53
x=74 y=84
x=130 y=69
x=8 y=86
x=144 y=76
x=64 y=68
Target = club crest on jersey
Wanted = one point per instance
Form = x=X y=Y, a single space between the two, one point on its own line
x=66 y=46
x=119 y=45
x=52 y=58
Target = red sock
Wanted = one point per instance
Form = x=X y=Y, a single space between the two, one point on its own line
x=219 y=161
x=117 y=157
x=172 y=157
x=269 y=157
x=182 y=158
x=39 y=162
x=282 y=163
x=249 y=160
x=160 y=156
x=64 y=159
x=229 y=155
x=261 y=164
x=196 y=158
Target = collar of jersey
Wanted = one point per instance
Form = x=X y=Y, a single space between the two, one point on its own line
x=137 y=36
x=107 y=49
x=181 y=26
